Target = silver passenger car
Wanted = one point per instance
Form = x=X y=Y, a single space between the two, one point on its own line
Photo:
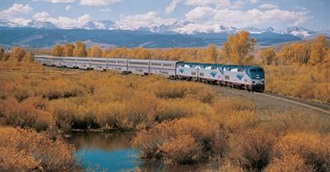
x=44 y=59
x=140 y=67
x=117 y=64
x=58 y=61
x=82 y=62
x=164 y=68
x=70 y=62
x=98 y=63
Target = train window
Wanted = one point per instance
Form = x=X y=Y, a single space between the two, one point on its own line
x=201 y=74
x=227 y=77
x=193 y=73
x=260 y=70
x=253 y=70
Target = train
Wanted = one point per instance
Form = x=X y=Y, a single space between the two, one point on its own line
x=251 y=78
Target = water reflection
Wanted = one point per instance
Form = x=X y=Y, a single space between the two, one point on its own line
x=112 y=152
x=105 y=152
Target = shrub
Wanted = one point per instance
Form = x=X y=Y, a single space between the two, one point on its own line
x=288 y=163
x=313 y=148
x=187 y=140
x=25 y=114
x=64 y=113
x=252 y=149
x=26 y=150
x=174 y=109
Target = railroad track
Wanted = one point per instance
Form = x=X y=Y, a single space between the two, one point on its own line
x=275 y=102
x=315 y=106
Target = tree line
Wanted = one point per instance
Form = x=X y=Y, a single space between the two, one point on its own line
x=240 y=48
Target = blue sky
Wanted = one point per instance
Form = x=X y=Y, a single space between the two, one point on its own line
x=280 y=14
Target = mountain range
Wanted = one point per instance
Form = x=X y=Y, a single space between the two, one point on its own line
x=106 y=33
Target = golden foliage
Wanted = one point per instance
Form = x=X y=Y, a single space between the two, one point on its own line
x=302 y=81
x=57 y=50
x=182 y=141
x=26 y=150
x=236 y=50
x=313 y=148
x=251 y=149
x=17 y=54
x=79 y=49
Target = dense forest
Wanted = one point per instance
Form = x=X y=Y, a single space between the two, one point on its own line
x=175 y=122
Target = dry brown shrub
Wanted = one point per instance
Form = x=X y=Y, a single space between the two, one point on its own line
x=228 y=166
x=26 y=114
x=26 y=150
x=109 y=114
x=288 y=163
x=226 y=105
x=168 y=141
x=252 y=149
x=181 y=150
x=283 y=123
x=313 y=148
x=173 y=109
x=64 y=113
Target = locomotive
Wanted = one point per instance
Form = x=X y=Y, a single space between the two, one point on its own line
x=250 y=78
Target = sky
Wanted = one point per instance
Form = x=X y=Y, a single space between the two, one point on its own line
x=279 y=14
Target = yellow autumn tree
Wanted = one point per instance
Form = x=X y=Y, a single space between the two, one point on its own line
x=211 y=53
x=79 y=49
x=266 y=56
x=68 y=50
x=17 y=54
x=319 y=50
x=57 y=50
x=95 y=51
x=28 y=57
x=238 y=47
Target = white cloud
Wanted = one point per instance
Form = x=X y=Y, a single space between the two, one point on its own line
x=267 y=6
x=68 y=8
x=41 y=16
x=98 y=2
x=16 y=9
x=61 y=1
x=253 y=1
x=144 y=20
x=201 y=14
x=170 y=8
x=253 y=17
x=20 y=21
x=105 y=10
x=218 y=3
x=63 y=22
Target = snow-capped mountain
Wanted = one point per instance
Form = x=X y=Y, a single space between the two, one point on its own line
x=253 y=30
x=300 y=32
x=40 y=25
x=6 y=23
x=100 y=25
x=106 y=33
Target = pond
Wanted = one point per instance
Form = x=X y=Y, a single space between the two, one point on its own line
x=112 y=152
x=105 y=152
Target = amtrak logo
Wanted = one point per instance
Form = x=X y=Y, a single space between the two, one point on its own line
x=239 y=76
x=181 y=70
x=213 y=74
